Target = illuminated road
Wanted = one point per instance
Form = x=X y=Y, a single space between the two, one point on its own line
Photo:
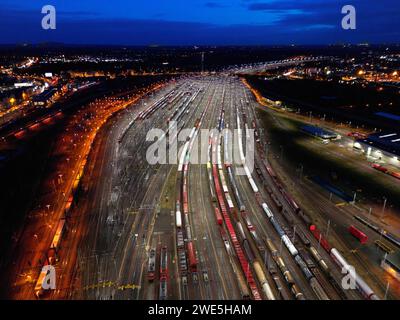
x=68 y=158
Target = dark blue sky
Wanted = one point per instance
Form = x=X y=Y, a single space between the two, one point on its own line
x=190 y=22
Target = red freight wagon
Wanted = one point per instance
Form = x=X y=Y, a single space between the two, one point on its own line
x=395 y=174
x=379 y=168
x=218 y=216
x=358 y=234
x=318 y=235
x=192 y=257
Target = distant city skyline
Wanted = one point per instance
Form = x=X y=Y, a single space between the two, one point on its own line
x=200 y=22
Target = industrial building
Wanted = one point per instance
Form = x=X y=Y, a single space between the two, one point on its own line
x=391 y=264
x=381 y=146
x=318 y=132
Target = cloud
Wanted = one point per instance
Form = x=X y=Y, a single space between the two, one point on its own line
x=25 y=26
x=374 y=18
x=301 y=5
x=301 y=22
x=77 y=14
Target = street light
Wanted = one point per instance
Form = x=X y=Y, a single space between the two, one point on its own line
x=369 y=214
x=386 y=291
x=354 y=197
x=319 y=241
x=384 y=207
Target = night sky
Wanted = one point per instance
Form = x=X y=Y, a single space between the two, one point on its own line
x=200 y=22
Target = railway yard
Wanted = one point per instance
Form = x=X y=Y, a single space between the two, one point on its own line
x=225 y=227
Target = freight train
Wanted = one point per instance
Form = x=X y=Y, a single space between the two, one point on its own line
x=221 y=196
x=163 y=287
x=361 y=285
x=151 y=268
x=284 y=270
x=318 y=290
x=364 y=289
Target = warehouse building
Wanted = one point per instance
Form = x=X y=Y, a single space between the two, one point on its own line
x=381 y=146
x=318 y=132
x=391 y=264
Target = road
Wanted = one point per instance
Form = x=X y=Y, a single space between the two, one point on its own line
x=64 y=167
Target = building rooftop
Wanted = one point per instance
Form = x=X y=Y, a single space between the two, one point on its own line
x=389 y=142
x=318 y=132
x=394 y=260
